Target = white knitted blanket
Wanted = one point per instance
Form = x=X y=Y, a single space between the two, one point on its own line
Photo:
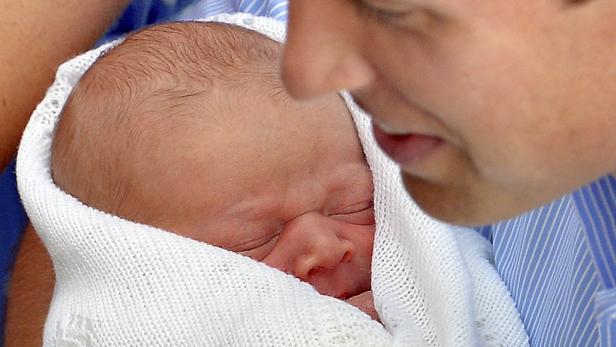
x=120 y=283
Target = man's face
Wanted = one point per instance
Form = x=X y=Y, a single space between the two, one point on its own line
x=285 y=183
x=498 y=106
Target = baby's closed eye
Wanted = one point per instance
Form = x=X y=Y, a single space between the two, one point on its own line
x=361 y=213
x=260 y=249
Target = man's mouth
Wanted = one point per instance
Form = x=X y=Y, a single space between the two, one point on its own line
x=403 y=147
x=388 y=129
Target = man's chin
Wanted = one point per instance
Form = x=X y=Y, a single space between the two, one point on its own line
x=455 y=205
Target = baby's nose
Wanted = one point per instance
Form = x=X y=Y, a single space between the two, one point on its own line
x=321 y=247
x=324 y=258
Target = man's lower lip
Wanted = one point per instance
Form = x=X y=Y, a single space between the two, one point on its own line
x=405 y=149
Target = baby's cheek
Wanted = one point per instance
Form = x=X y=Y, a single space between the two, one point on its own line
x=278 y=258
x=363 y=239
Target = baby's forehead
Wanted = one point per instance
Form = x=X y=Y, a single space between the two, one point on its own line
x=176 y=74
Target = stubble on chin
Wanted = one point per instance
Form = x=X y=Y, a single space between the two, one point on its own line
x=459 y=203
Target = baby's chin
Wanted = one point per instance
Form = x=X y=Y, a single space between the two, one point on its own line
x=343 y=286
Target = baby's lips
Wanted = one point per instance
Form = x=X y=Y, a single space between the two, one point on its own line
x=342 y=296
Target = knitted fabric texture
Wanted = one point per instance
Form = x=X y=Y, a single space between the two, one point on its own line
x=120 y=283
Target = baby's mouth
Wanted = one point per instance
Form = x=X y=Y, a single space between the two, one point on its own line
x=343 y=296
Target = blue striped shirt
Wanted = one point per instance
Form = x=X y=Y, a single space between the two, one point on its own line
x=559 y=262
x=276 y=9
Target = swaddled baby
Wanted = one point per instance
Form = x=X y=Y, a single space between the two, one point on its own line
x=186 y=127
x=201 y=142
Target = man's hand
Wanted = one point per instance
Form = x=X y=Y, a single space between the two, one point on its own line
x=37 y=36
x=29 y=294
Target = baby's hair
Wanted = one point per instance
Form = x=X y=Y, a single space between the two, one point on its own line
x=153 y=83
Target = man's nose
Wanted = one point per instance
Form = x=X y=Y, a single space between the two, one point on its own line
x=320 y=246
x=323 y=52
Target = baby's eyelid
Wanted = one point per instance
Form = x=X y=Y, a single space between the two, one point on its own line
x=265 y=241
x=261 y=251
x=355 y=208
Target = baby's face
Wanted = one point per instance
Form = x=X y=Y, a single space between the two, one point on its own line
x=283 y=183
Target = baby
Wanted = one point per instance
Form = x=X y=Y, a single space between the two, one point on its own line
x=187 y=127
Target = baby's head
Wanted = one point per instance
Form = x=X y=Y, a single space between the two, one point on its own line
x=186 y=127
